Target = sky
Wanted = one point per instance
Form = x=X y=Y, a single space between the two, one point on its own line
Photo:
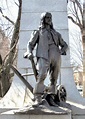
x=75 y=43
x=9 y=8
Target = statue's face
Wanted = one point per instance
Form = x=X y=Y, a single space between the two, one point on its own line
x=48 y=19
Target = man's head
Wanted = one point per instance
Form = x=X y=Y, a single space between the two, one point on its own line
x=46 y=18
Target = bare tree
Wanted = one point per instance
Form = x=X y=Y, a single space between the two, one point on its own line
x=83 y=38
x=75 y=12
x=5 y=74
x=76 y=51
x=77 y=15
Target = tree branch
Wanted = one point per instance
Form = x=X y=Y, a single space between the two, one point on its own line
x=7 y=18
x=74 y=16
x=74 y=21
x=76 y=12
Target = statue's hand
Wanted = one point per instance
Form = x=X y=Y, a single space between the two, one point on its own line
x=30 y=56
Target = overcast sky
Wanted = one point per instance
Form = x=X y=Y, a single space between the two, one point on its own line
x=9 y=8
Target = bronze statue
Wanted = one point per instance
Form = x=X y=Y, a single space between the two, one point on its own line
x=50 y=47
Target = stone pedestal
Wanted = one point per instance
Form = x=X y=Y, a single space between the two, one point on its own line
x=56 y=113
x=11 y=116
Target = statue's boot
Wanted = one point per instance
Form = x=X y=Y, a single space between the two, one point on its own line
x=38 y=92
x=38 y=100
x=50 y=96
x=50 y=99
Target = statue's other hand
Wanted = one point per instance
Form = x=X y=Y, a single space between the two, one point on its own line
x=63 y=52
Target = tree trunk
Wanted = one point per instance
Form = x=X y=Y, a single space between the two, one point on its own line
x=5 y=76
x=83 y=38
x=83 y=66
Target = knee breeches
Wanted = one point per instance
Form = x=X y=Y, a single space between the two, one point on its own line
x=52 y=65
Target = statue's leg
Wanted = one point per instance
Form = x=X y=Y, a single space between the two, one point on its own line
x=55 y=63
x=39 y=87
x=54 y=74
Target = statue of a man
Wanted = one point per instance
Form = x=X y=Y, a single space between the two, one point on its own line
x=50 y=47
